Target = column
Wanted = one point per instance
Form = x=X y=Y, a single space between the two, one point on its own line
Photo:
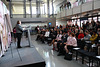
x=36 y=8
x=10 y=8
x=39 y=10
x=48 y=9
x=44 y=8
x=30 y=8
x=52 y=9
x=24 y=8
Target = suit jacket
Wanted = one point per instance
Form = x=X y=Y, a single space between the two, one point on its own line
x=64 y=38
x=19 y=28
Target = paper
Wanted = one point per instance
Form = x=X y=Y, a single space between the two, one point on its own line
x=76 y=48
x=98 y=57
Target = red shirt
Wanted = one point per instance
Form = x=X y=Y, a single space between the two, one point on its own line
x=14 y=30
x=81 y=35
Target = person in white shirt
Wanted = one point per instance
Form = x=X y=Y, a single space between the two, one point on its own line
x=47 y=33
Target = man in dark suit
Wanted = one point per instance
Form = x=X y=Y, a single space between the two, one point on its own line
x=19 y=32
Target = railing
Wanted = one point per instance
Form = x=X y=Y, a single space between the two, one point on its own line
x=85 y=7
x=28 y=16
x=33 y=16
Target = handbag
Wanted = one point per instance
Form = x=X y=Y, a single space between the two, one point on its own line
x=68 y=56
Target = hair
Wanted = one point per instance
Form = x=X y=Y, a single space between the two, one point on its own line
x=18 y=22
x=72 y=34
x=81 y=31
x=87 y=31
x=76 y=29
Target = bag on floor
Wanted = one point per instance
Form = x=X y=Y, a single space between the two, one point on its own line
x=68 y=56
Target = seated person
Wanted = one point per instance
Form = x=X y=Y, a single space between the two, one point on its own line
x=38 y=36
x=88 y=36
x=94 y=37
x=79 y=40
x=71 y=41
x=81 y=35
x=50 y=36
x=47 y=33
x=76 y=33
x=41 y=35
x=98 y=44
x=86 y=41
x=61 y=45
x=58 y=39
x=53 y=35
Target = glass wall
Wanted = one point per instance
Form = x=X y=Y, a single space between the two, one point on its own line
x=99 y=18
x=90 y=19
x=95 y=19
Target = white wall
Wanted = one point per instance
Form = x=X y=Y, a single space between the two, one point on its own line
x=59 y=22
x=47 y=20
x=34 y=24
x=19 y=9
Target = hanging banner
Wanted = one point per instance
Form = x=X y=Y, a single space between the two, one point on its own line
x=1 y=13
x=9 y=22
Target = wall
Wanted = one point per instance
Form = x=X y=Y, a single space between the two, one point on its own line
x=88 y=6
x=18 y=9
x=47 y=20
x=59 y=22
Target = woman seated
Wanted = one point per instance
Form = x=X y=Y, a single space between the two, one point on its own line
x=71 y=41
x=58 y=39
x=86 y=41
x=98 y=44
x=47 y=33
x=81 y=35
x=94 y=37
x=79 y=40
x=53 y=35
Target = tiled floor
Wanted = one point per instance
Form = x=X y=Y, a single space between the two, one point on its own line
x=23 y=56
x=51 y=58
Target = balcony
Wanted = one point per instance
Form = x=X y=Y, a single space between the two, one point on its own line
x=29 y=16
x=88 y=6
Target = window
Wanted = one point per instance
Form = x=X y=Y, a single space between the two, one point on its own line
x=95 y=19
x=99 y=18
x=90 y=19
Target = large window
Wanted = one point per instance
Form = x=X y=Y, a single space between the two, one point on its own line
x=95 y=19
x=90 y=19
x=99 y=18
x=78 y=22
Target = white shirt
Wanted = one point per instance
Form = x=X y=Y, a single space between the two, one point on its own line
x=47 y=34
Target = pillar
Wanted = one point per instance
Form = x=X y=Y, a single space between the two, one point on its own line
x=10 y=8
x=52 y=9
x=48 y=9
x=24 y=8
x=30 y=8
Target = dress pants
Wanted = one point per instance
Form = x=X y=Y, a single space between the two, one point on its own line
x=19 y=35
x=61 y=48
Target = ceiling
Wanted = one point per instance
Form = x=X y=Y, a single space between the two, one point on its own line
x=34 y=1
x=55 y=1
x=28 y=0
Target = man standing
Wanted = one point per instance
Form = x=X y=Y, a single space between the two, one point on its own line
x=19 y=32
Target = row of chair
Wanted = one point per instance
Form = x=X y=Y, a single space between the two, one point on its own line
x=86 y=53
